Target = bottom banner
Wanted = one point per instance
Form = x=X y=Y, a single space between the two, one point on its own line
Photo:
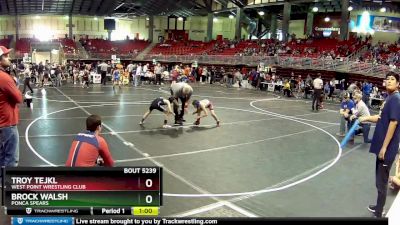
x=221 y=221
x=199 y=221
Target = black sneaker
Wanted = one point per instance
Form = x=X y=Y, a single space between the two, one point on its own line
x=178 y=123
x=358 y=132
x=372 y=208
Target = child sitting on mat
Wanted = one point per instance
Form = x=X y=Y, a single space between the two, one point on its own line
x=202 y=106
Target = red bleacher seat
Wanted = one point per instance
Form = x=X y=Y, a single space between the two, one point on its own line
x=23 y=45
x=170 y=47
x=68 y=45
x=5 y=42
x=114 y=47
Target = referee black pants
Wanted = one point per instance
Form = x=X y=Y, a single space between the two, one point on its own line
x=103 y=77
x=179 y=115
x=158 y=79
x=317 y=96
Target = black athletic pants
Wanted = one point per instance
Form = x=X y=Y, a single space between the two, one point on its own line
x=179 y=115
x=382 y=171
x=316 y=98
x=103 y=77
x=27 y=83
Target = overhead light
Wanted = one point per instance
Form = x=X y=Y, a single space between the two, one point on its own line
x=390 y=21
x=261 y=13
x=66 y=17
x=327 y=19
x=350 y=8
x=37 y=17
x=116 y=19
x=315 y=9
x=231 y=17
x=180 y=18
x=119 y=6
x=215 y=19
x=95 y=18
x=383 y=9
x=147 y=18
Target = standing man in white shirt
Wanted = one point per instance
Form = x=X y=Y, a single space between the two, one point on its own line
x=318 y=85
x=130 y=70
x=27 y=78
x=136 y=79
x=103 y=69
x=158 y=71
x=144 y=71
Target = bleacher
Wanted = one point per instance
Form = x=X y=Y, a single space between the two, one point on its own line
x=182 y=48
x=105 y=48
x=327 y=75
x=321 y=46
x=384 y=54
x=23 y=45
x=69 y=46
x=5 y=42
x=228 y=48
x=298 y=48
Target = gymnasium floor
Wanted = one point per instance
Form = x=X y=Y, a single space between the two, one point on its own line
x=271 y=157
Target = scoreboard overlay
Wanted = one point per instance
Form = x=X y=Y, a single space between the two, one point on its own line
x=82 y=191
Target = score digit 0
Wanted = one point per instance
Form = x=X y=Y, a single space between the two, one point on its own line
x=149 y=199
x=149 y=183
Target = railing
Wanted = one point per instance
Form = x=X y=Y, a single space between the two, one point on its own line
x=339 y=64
x=107 y=56
x=356 y=54
x=215 y=59
x=82 y=53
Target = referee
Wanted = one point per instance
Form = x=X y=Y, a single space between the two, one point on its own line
x=318 y=85
x=103 y=69
x=182 y=91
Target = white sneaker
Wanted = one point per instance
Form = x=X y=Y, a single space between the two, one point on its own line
x=141 y=123
x=166 y=126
